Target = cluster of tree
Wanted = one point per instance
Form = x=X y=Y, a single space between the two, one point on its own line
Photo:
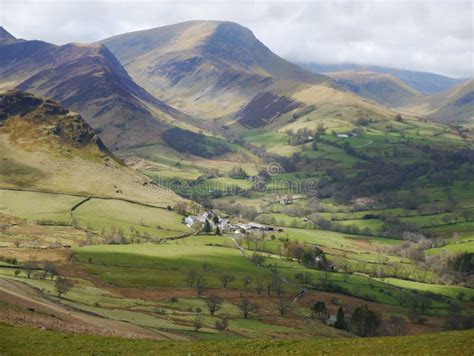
x=300 y=137
x=353 y=229
x=309 y=256
x=246 y=212
x=365 y=322
x=350 y=150
x=463 y=263
x=237 y=172
x=395 y=228
x=303 y=112
x=32 y=268
x=194 y=279
x=185 y=141
x=363 y=121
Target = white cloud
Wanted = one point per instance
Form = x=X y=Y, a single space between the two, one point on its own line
x=420 y=35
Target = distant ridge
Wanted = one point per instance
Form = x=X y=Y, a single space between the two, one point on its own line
x=424 y=82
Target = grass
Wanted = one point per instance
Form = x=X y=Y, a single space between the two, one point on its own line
x=448 y=291
x=455 y=247
x=104 y=214
x=38 y=206
x=96 y=214
x=164 y=265
x=23 y=340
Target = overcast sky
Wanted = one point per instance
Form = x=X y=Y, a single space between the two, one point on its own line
x=429 y=35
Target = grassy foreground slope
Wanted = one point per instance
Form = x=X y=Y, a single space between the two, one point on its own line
x=21 y=340
x=44 y=147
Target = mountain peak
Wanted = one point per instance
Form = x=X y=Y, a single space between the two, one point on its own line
x=48 y=113
x=5 y=35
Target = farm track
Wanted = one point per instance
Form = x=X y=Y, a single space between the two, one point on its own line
x=365 y=144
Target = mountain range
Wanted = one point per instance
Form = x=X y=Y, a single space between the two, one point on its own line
x=187 y=183
x=424 y=82
x=87 y=79
x=213 y=77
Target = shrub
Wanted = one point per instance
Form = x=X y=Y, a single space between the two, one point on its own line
x=222 y=324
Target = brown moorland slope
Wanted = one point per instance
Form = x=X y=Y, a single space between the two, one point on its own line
x=45 y=147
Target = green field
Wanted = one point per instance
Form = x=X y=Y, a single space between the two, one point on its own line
x=38 y=206
x=449 y=291
x=96 y=214
x=166 y=265
x=21 y=340
x=130 y=217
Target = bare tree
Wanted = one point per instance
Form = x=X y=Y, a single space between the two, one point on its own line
x=246 y=307
x=283 y=306
x=62 y=286
x=303 y=279
x=17 y=243
x=50 y=268
x=269 y=288
x=257 y=259
x=29 y=266
x=200 y=286
x=246 y=280
x=396 y=325
x=226 y=279
x=214 y=303
x=191 y=276
x=258 y=287
x=198 y=321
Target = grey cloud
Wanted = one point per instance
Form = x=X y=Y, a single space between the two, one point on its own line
x=429 y=35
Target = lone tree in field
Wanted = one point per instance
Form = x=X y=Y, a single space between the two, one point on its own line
x=62 y=286
x=283 y=307
x=246 y=280
x=17 y=243
x=191 y=276
x=226 y=279
x=200 y=286
x=198 y=321
x=246 y=307
x=29 y=266
x=213 y=303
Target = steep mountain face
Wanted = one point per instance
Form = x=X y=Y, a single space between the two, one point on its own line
x=423 y=82
x=6 y=36
x=87 y=79
x=382 y=88
x=45 y=147
x=205 y=67
x=455 y=106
